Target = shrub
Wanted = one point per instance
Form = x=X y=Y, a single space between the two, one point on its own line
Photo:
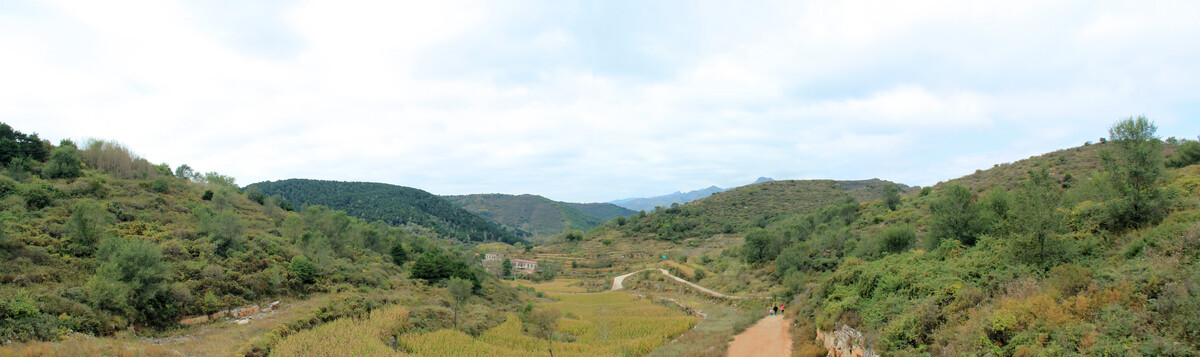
x=160 y=185
x=897 y=238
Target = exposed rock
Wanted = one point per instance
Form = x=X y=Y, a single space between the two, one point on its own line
x=244 y=311
x=219 y=315
x=192 y=320
x=243 y=321
x=845 y=342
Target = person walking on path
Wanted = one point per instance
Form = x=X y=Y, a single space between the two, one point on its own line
x=775 y=309
x=782 y=308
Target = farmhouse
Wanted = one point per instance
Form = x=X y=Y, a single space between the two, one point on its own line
x=491 y=257
x=524 y=266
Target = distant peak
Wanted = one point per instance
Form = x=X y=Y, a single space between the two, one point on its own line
x=763 y=179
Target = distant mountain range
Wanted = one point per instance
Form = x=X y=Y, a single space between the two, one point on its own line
x=537 y=216
x=649 y=203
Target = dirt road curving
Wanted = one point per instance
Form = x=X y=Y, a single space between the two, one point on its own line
x=768 y=337
x=617 y=284
x=618 y=280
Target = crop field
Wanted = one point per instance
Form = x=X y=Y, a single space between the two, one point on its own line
x=562 y=285
x=606 y=324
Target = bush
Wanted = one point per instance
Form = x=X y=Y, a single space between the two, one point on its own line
x=160 y=185
x=207 y=196
x=64 y=163
x=303 y=269
x=897 y=238
x=1186 y=154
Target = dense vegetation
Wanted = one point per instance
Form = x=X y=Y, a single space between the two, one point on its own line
x=1085 y=251
x=537 y=216
x=752 y=206
x=394 y=205
x=97 y=241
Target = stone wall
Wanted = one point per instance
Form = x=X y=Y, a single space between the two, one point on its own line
x=845 y=342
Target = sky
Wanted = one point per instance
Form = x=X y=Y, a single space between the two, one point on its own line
x=590 y=101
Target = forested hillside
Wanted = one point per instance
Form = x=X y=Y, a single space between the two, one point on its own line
x=392 y=204
x=1085 y=251
x=537 y=216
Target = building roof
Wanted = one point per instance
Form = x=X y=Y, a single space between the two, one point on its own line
x=522 y=261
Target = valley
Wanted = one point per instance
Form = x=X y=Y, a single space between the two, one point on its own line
x=1089 y=250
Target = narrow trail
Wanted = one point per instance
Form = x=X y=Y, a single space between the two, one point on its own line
x=768 y=337
x=619 y=280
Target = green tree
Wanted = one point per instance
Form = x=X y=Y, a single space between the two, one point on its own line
x=506 y=269
x=303 y=269
x=64 y=162
x=399 y=254
x=761 y=246
x=954 y=216
x=160 y=185
x=891 y=196
x=434 y=267
x=224 y=229
x=185 y=172
x=1038 y=220
x=1136 y=169
x=207 y=196
x=86 y=226
x=573 y=235
x=1187 y=153
x=460 y=290
x=132 y=278
x=795 y=257
x=253 y=194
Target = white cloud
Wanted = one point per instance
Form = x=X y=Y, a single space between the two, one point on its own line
x=587 y=101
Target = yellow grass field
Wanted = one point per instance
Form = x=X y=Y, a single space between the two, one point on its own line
x=604 y=324
x=562 y=285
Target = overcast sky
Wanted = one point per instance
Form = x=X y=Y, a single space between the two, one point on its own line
x=596 y=100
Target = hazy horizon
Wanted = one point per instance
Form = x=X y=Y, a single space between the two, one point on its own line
x=593 y=102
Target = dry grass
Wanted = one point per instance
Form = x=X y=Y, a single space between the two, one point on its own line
x=348 y=336
x=605 y=324
x=562 y=285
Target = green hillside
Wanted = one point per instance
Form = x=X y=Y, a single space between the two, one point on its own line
x=537 y=215
x=1018 y=260
x=603 y=211
x=102 y=248
x=750 y=206
x=392 y=204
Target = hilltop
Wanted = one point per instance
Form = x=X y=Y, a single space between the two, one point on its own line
x=392 y=204
x=650 y=203
x=755 y=205
x=537 y=216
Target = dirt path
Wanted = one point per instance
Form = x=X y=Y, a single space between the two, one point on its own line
x=617 y=284
x=618 y=280
x=768 y=337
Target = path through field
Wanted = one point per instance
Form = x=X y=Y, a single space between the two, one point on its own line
x=617 y=284
x=768 y=337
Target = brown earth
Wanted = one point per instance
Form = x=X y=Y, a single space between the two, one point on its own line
x=768 y=337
